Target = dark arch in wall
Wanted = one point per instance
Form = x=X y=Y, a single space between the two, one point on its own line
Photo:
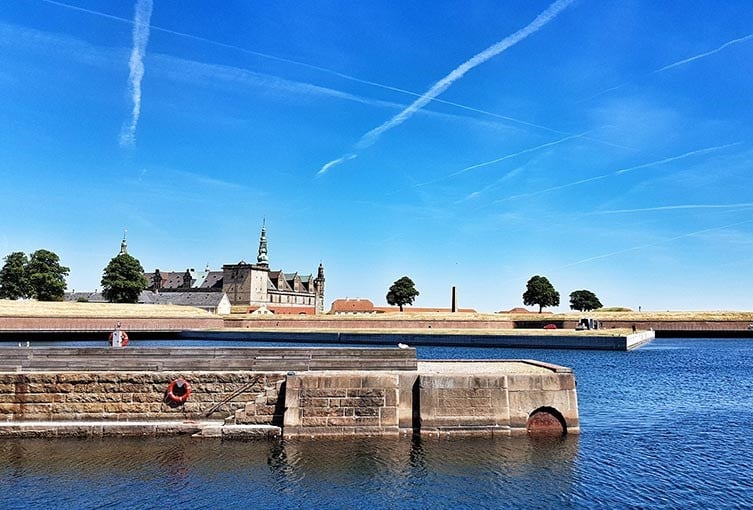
x=546 y=421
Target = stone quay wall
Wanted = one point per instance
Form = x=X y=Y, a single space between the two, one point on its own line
x=463 y=402
x=342 y=404
x=40 y=389
x=139 y=396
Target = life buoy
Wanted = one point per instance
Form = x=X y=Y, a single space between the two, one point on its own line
x=178 y=391
x=123 y=338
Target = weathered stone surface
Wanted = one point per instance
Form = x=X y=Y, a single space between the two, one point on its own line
x=388 y=416
x=314 y=421
x=366 y=411
x=306 y=393
x=316 y=402
x=309 y=403
x=375 y=402
x=366 y=392
x=324 y=411
x=76 y=378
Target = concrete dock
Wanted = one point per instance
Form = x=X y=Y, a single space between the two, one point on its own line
x=620 y=340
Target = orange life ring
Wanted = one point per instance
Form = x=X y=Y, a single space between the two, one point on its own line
x=178 y=391
x=123 y=338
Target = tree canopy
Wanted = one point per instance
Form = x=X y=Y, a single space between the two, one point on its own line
x=402 y=292
x=14 y=283
x=123 y=279
x=46 y=276
x=540 y=292
x=584 y=300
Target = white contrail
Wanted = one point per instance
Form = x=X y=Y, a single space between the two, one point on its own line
x=542 y=19
x=519 y=153
x=622 y=171
x=744 y=205
x=509 y=175
x=672 y=65
x=675 y=158
x=705 y=54
x=334 y=162
x=332 y=72
x=497 y=160
x=136 y=66
x=316 y=68
x=658 y=243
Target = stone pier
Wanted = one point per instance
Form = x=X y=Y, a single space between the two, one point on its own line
x=305 y=392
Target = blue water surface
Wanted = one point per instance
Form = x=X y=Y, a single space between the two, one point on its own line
x=666 y=426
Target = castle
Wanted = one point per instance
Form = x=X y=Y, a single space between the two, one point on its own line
x=252 y=286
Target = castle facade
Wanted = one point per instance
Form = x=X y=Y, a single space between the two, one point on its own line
x=254 y=286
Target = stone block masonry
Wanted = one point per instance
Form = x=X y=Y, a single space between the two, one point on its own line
x=45 y=396
x=138 y=396
x=342 y=404
x=485 y=404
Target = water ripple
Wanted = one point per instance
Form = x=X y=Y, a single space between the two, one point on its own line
x=667 y=426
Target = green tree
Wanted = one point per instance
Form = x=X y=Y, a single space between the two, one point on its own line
x=402 y=292
x=540 y=292
x=46 y=276
x=14 y=283
x=584 y=300
x=123 y=279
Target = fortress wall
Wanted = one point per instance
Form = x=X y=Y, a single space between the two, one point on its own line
x=106 y=325
x=684 y=325
x=366 y=323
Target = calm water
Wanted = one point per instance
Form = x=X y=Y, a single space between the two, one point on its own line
x=666 y=426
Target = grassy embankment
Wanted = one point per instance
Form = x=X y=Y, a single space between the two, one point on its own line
x=96 y=310
x=327 y=322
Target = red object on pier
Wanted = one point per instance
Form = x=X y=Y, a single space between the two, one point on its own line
x=123 y=338
x=178 y=391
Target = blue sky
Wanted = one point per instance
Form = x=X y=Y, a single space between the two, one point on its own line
x=604 y=144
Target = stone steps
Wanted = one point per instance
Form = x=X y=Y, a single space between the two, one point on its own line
x=204 y=358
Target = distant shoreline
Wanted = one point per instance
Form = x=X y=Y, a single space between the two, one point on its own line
x=57 y=317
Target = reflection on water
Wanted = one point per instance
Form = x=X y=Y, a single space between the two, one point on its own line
x=363 y=473
x=666 y=426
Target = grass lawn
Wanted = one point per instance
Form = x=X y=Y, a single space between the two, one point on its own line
x=96 y=310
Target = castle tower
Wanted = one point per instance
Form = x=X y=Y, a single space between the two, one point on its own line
x=123 y=245
x=262 y=259
x=319 y=290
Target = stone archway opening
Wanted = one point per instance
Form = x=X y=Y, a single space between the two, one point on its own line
x=546 y=422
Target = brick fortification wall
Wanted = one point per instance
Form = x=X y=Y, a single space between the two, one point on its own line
x=137 y=396
x=283 y=322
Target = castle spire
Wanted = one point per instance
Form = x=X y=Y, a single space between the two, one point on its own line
x=319 y=290
x=123 y=244
x=262 y=259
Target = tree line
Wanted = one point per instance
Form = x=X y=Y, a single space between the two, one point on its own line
x=40 y=276
x=539 y=292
